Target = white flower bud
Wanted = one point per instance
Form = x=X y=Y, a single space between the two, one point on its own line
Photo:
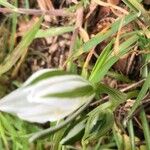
x=48 y=95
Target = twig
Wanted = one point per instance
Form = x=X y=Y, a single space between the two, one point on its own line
x=130 y=87
x=56 y=12
x=105 y=4
x=144 y=104
x=59 y=126
x=133 y=86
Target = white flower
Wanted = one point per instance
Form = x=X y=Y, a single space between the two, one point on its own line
x=48 y=95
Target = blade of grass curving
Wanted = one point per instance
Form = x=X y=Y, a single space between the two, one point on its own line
x=15 y=55
x=102 y=59
x=138 y=6
x=99 y=72
x=98 y=38
x=130 y=6
x=146 y=128
x=116 y=97
x=140 y=97
x=132 y=94
x=7 y=5
x=113 y=29
x=53 y=31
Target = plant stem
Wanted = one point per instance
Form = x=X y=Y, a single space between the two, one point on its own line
x=131 y=133
x=146 y=128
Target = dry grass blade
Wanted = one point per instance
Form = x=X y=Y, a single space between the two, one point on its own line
x=56 y=12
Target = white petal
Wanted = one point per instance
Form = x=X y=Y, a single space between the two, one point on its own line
x=46 y=116
x=39 y=91
x=17 y=103
x=28 y=103
x=58 y=79
x=14 y=101
x=35 y=75
x=50 y=113
x=64 y=102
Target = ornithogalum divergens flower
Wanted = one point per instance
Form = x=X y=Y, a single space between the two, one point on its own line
x=48 y=95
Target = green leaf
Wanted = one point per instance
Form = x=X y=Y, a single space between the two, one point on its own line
x=102 y=70
x=74 y=133
x=138 y=7
x=146 y=128
x=118 y=137
x=140 y=97
x=7 y=5
x=113 y=29
x=116 y=96
x=101 y=60
x=57 y=138
x=102 y=36
x=54 y=31
x=98 y=124
x=2 y=135
x=15 y=55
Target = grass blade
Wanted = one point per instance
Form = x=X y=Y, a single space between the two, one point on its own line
x=146 y=128
x=131 y=135
x=101 y=59
x=102 y=70
x=140 y=97
x=7 y=5
x=102 y=36
x=54 y=31
x=15 y=55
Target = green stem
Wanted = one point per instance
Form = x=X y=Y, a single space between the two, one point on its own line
x=131 y=133
x=146 y=128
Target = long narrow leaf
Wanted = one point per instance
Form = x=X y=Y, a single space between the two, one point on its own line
x=102 y=70
x=140 y=97
x=7 y=5
x=146 y=128
x=103 y=36
x=116 y=96
x=53 y=31
x=15 y=55
x=101 y=59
